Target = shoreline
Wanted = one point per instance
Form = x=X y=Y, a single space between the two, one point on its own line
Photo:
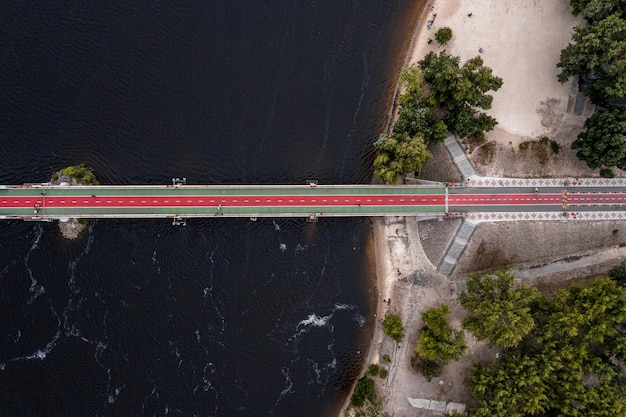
x=385 y=275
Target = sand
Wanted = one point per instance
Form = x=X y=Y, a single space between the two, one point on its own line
x=522 y=40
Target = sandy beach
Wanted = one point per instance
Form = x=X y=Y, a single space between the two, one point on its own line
x=521 y=41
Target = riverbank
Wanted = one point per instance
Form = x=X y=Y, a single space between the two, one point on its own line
x=390 y=259
x=530 y=103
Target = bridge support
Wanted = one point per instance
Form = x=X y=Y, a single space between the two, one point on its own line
x=179 y=221
x=177 y=182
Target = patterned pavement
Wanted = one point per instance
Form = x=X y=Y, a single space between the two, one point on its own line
x=472 y=220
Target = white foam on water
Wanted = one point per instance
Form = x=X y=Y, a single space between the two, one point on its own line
x=288 y=389
x=282 y=247
x=315 y=321
x=34 y=288
x=360 y=319
x=276 y=225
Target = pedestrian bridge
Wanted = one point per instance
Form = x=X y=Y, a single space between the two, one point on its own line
x=312 y=201
x=49 y=202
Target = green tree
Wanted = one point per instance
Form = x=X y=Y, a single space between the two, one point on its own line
x=499 y=310
x=364 y=390
x=443 y=35
x=392 y=326
x=451 y=85
x=595 y=10
x=399 y=155
x=414 y=116
x=598 y=54
x=570 y=364
x=467 y=122
x=603 y=142
x=437 y=340
x=512 y=388
x=591 y=313
x=460 y=91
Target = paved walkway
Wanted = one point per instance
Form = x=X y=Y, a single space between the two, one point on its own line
x=473 y=180
x=456 y=247
x=459 y=157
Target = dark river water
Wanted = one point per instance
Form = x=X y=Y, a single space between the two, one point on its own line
x=222 y=317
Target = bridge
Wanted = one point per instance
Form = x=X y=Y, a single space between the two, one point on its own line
x=312 y=201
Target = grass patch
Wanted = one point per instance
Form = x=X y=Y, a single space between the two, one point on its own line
x=373 y=370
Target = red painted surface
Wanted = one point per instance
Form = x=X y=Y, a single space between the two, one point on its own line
x=232 y=201
x=596 y=198
x=326 y=200
x=504 y=199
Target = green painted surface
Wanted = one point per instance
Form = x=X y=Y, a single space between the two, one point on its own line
x=196 y=211
x=260 y=190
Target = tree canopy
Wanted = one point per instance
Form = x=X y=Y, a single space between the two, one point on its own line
x=603 y=142
x=392 y=326
x=598 y=54
x=498 y=310
x=595 y=10
x=569 y=364
x=443 y=35
x=414 y=116
x=437 y=340
x=398 y=155
x=460 y=91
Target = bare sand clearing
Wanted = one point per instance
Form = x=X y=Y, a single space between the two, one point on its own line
x=522 y=40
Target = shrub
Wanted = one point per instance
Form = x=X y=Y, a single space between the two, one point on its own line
x=392 y=326
x=364 y=390
x=386 y=358
x=428 y=368
x=437 y=340
x=81 y=173
x=374 y=370
x=618 y=273
x=556 y=148
x=384 y=373
x=443 y=35
x=607 y=173
x=523 y=145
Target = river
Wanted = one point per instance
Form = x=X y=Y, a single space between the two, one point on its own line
x=223 y=317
